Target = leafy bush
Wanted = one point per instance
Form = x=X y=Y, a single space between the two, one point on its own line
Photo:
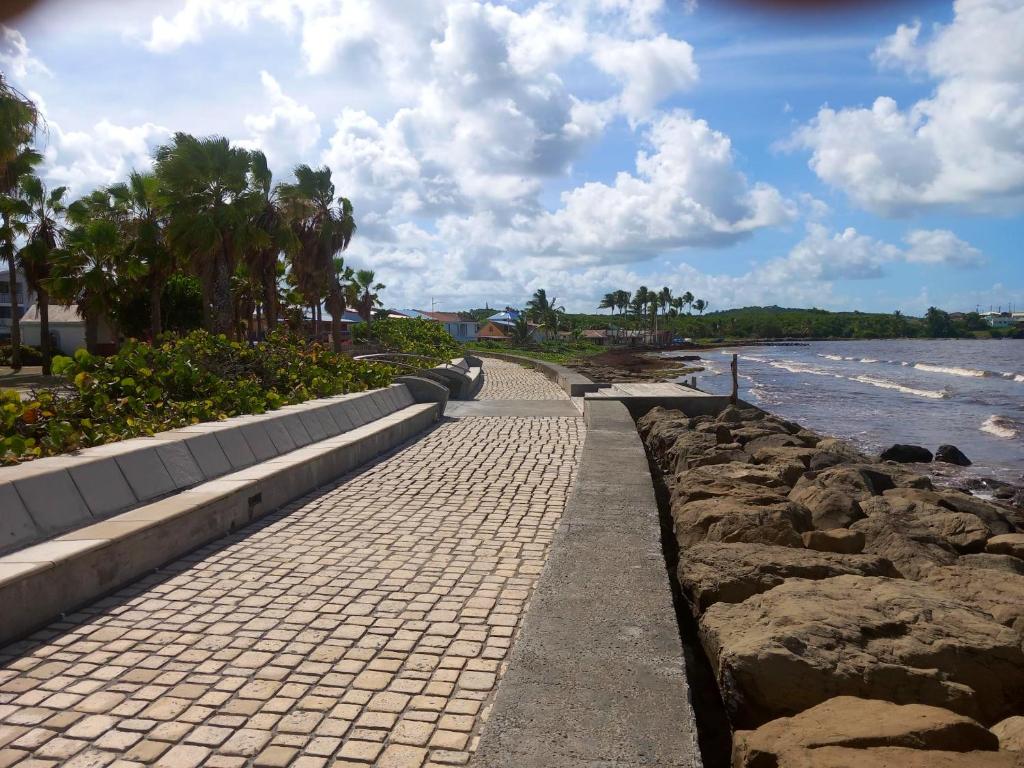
x=29 y=355
x=412 y=336
x=149 y=388
x=551 y=351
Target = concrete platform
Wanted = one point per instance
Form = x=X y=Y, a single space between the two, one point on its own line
x=597 y=676
x=641 y=397
x=539 y=408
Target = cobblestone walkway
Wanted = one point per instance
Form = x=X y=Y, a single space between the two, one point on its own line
x=510 y=381
x=365 y=625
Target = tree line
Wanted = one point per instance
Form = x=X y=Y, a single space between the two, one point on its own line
x=646 y=304
x=208 y=209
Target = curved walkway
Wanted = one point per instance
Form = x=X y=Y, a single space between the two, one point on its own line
x=366 y=624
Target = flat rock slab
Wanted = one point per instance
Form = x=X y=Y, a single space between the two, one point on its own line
x=597 y=677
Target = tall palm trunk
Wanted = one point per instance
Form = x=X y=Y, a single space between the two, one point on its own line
x=336 y=306
x=222 y=305
x=156 y=322
x=15 y=312
x=43 y=302
x=270 y=296
x=92 y=333
x=259 y=321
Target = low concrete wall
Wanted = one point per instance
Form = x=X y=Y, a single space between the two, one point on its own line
x=574 y=384
x=47 y=497
x=597 y=677
x=40 y=582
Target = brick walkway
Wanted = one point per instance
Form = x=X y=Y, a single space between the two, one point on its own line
x=365 y=625
x=510 y=381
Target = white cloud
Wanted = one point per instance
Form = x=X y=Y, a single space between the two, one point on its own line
x=650 y=70
x=189 y=23
x=15 y=56
x=84 y=160
x=962 y=146
x=940 y=246
x=288 y=132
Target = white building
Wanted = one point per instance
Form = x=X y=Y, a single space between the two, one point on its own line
x=67 y=330
x=25 y=298
x=999 y=319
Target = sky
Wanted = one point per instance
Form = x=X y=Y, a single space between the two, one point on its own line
x=866 y=158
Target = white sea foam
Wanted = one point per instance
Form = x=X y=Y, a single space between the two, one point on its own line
x=886 y=384
x=1018 y=377
x=1000 y=426
x=868 y=360
x=951 y=370
x=831 y=357
x=795 y=367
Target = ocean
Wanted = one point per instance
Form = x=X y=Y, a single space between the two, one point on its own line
x=969 y=393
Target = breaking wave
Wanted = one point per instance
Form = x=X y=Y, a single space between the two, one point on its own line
x=1001 y=426
x=952 y=371
x=794 y=367
x=886 y=384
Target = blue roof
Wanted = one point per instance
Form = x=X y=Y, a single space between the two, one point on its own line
x=509 y=316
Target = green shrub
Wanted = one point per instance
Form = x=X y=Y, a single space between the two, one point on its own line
x=149 y=388
x=29 y=355
x=412 y=336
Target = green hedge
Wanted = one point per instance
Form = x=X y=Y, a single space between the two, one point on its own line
x=412 y=336
x=150 y=388
x=29 y=355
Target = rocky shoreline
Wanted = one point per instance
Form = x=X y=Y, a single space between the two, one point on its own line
x=854 y=613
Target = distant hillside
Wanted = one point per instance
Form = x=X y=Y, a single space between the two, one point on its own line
x=780 y=322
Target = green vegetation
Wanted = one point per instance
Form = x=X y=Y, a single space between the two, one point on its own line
x=29 y=355
x=552 y=351
x=414 y=337
x=148 y=388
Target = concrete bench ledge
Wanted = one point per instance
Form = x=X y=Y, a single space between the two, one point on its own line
x=47 y=497
x=463 y=378
x=40 y=582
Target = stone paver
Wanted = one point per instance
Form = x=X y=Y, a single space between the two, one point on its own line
x=511 y=381
x=369 y=622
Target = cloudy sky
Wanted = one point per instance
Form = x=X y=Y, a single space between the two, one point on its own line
x=869 y=159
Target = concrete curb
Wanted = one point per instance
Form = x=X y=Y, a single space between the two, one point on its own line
x=597 y=675
x=41 y=582
x=574 y=384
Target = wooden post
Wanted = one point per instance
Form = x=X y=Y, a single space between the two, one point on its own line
x=735 y=380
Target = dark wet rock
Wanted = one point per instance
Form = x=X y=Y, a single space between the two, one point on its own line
x=950 y=454
x=907 y=454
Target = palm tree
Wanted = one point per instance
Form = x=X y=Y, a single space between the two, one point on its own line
x=273 y=235
x=19 y=118
x=545 y=310
x=136 y=206
x=521 y=330
x=688 y=299
x=44 y=236
x=365 y=290
x=93 y=271
x=204 y=184
x=677 y=304
x=641 y=298
x=323 y=227
x=700 y=305
x=665 y=298
x=609 y=301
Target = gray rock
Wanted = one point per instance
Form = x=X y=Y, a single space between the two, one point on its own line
x=950 y=454
x=907 y=454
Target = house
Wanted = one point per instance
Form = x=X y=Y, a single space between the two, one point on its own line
x=25 y=297
x=502 y=331
x=596 y=336
x=67 y=330
x=460 y=326
x=998 y=319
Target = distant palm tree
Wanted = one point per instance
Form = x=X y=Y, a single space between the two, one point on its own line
x=521 y=330
x=544 y=310
x=677 y=304
x=687 y=299
x=640 y=300
x=366 y=293
x=44 y=236
x=609 y=301
x=665 y=298
x=272 y=236
x=204 y=184
x=623 y=298
x=143 y=229
x=323 y=227
x=700 y=305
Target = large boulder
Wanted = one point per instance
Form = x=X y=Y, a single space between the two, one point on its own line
x=893 y=757
x=842 y=541
x=986 y=561
x=992 y=515
x=804 y=642
x=775 y=454
x=1001 y=596
x=780 y=439
x=669 y=434
x=965 y=531
x=739 y=520
x=1010 y=733
x=843 y=450
x=950 y=454
x=730 y=479
x=859 y=724
x=833 y=495
x=1006 y=544
x=912 y=549
x=712 y=573
x=907 y=454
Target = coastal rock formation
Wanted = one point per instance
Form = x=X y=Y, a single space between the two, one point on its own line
x=950 y=454
x=803 y=642
x=1010 y=733
x=1006 y=544
x=839 y=540
x=907 y=454
x=730 y=573
x=817 y=572
x=862 y=725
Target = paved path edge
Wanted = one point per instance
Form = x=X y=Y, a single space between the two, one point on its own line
x=597 y=675
x=574 y=384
